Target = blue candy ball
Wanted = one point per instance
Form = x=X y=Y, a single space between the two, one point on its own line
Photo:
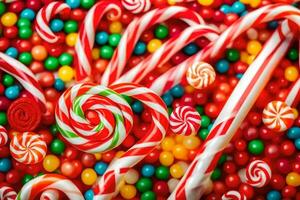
x=168 y=98
x=73 y=3
x=177 y=91
x=244 y=13
x=5 y=165
x=190 y=49
x=56 y=25
x=140 y=48
x=226 y=9
x=273 y=24
x=89 y=194
x=148 y=170
x=239 y=76
x=238 y=7
x=273 y=195
x=101 y=38
x=59 y=85
x=210 y=126
x=222 y=66
x=100 y=167
x=12 y=52
x=28 y=14
x=297 y=143
x=12 y=92
x=294 y=133
x=137 y=107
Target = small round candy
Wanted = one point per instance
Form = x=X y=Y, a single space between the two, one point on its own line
x=222 y=66
x=166 y=158
x=5 y=165
x=89 y=194
x=100 y=167
x=106 y=52
x=232 y=55
x=176 y=171
x=191 y=142
x=66 y=73
x=238 y=7
x=293 y=179
x=25 y=58
x=162 y=173
x=70 y=26
x=291 y=73
x=71 y=39
x=180 y=152
x=87 y=3
x=161 y=31
x=278 y=116
x=148 y=170
x=153 y=45
x=293 y=54
x=57 y=146
x=114 y=39
x=51 y=163
x=115 y=27
x=39 y=52
x=8 y=80
x=12 y=92
x=88 y=176
x=253 y=47
x=168 y=143
x=59 y=85
x=27 y=14
x=177 y=91
x=149 y=195
x=140 y=48
x=56 y=25
x=273 y=195
x=128 y=191
x=144 y=184
x=73 y=3
x=205 y=2
x=25 y=32
x=190 y=49
x=12 y=52
x=256 y=147
x=200 y=75
x=9 y=19
x=297 y=143
x=132 y=176
x=65 y=59
x=51 y=63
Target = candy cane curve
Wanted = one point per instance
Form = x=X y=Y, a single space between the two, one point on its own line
x=43 y=18
x=293 y=96
x=49 y=182
x=134 y=31
x=166 y=51
x=86 y=36
x=24 y=76
x=264 y=14
x=7 y=193
x=3 y=136
x=232 y=114
x=107 y=185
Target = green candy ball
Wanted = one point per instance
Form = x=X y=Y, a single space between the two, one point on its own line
x=23 y=22
x=222 y=159
x=3 y=118
x=161 y=32
x=106 y=52
x=25 y=58
x=114 y=39
x=26 y=178
x=144 y=184
x=205 y=121
x=162 y=173
x=57 y=146
x=8 y=80
x=232 y=55
x=216 y=174
x=149 y=195
x=25 y=32
x=256 y=147
x=2 y=8
x=54 y=129
x=87 y=3
x=51 y=63
x=203 y=133
x=65 y=59
x=200 y=110
x=70 y=26
x=293 y=54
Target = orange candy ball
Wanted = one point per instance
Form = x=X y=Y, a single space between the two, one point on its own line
x=39 y=53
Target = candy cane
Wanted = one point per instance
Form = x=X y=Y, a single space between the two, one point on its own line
x=43 y=18
x=49 y=181
x=3 y=136
x=134 y=31
x=136 y=6
x=166 y=51
x=86 y=36
x=294 y=94
x=24 y=76
x=265 y=14
x=233 y=113
x=50 y=195
x=7 y=193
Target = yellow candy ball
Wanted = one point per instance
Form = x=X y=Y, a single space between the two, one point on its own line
x=189 y=89
x=115 y=27
x=179 y=139
x=128 y=191
x=291 y=73
x=153 y=45
x=66 y=73
x=176 y=171
x=251 y=58
x=244 y=56
x=9 y=19
x=205 y=2
x=245 y=1
x=71 y=39
x=254 y=3
x=191 y=142
x=88 y=176
x=119 y=154
x=98 y=156
x=180 y=152
x=95 y=53
x=293 y=179
x=253 y=47
x=51 y=163
x=167 y=144
x=166 y=158
x=171 y=2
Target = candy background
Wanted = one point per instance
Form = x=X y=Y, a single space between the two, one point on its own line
x=149 y=99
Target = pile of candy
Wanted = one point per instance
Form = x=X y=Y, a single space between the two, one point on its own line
x=149 y=99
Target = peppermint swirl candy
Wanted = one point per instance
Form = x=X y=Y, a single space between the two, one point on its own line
x=200 y=75
x=3 y=136
x=278 y=116
x=28 y=148
x=50 y=194
x=7 y=193
x=258 y=173
x=137 y=6
x=233 y=195
x=185 y=120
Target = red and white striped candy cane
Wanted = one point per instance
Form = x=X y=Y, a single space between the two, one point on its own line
x=294 y=94
x=233 y=195
x=166 y=51
x=136 y=6
x=24 y=76
x=49 y=181
x=265 y=14
x=43 y=18
x=107 y=185
x=86 y=36
x=134 y=31
x=3 y=136
x=233 y=113
x=7 y=193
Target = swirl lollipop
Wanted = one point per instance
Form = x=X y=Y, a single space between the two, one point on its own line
x=7 y=193
x=3 y=136
x=50 y=194
x=278 y=116
x=28 y=148
x=136 y=6
x=233 y=195
x=200 y=75
x=185 y=120
x=258 y=173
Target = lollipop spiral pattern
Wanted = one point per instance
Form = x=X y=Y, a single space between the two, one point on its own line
x=185 y=120
x=3 y=136
x=278 y=116
x=50 y=195
x=7 y=193
x=136 y=6
x=258 y=173
x=233 y=195
x=28 y=148
x=200 y=75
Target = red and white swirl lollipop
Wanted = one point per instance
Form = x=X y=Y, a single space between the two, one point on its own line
x=28 y=148
x=50 y=194
x=258 y=173
x=233 y=195
x=136 y=6
x=7 y=193
x=278 y=116
x=200 y=75
x=3 y=136
x=185 y=120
